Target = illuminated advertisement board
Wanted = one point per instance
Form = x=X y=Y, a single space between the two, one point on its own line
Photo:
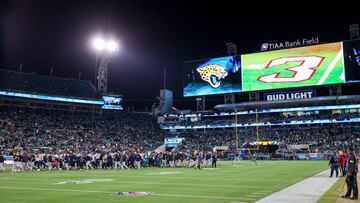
x=108 y=102
x=112 y=102
x=50 y=98
x=173 y=141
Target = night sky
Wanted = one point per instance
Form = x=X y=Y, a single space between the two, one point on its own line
x=153 y=35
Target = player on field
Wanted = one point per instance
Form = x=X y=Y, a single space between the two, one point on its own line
x=137 y=160
x=199 y=161
x=214 y=160
x=254 y=158
x=237 y=158
x=208 y=159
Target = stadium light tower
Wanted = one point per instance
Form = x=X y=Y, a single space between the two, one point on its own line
x=104 y=48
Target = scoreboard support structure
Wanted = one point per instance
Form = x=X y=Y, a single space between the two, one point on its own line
x=354 y=31
x=200 y=103
x=229 y=98
x=335 y=90
x=254 y=96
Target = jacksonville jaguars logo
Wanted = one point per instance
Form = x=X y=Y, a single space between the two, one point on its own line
x=215 y=71
x=213 y=74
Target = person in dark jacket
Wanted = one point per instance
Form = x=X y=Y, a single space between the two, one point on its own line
x=334 y=163
x=137 y=160
x=351 y=182
x=214 y=160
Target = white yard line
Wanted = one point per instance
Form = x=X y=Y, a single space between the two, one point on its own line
x=261 y=193
x=307 y=191
x=59 y=182
x=55 y=189
x=110 y=192
x=331 y=67
x=206 y=197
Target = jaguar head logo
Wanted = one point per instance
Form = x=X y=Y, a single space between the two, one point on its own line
x=213 y=74
x=214 y=71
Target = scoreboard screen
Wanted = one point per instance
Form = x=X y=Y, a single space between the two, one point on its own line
x=212 y=76
x=309 y=66
x=297 y=67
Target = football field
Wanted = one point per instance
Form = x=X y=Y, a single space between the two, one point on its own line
x=244 y=182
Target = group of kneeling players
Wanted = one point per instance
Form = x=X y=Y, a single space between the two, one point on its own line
x=111 y=160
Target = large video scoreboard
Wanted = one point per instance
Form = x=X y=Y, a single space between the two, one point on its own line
x=325 y=64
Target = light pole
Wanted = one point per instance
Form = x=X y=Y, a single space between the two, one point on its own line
x=105 y=48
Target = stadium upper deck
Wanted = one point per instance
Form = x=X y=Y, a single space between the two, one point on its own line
x=34 y=83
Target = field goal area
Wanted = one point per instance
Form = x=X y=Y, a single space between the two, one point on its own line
x=255 y=137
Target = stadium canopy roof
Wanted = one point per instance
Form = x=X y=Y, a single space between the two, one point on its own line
x=318 y=101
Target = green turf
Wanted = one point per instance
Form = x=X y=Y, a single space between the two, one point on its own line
x=230 y=183
x=328 y=51
x=333 y=193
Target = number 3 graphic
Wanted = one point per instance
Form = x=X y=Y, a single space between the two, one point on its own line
x=303 y=72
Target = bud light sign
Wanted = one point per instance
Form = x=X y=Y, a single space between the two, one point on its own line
x=294 y=95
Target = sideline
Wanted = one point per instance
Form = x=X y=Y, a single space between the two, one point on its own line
x=307 y=191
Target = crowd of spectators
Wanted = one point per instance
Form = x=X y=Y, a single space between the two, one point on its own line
x=32 y=129
x=318 y=137
x=38 y=134
x=266 y=118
